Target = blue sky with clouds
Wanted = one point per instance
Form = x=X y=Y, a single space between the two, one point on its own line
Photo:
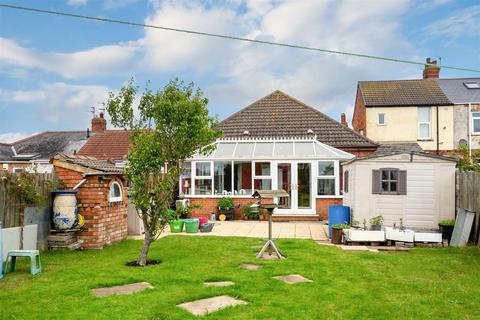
x=53 y=69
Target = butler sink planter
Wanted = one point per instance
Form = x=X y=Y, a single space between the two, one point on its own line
x=399 y=235
x=353 y=235
x=428 y=237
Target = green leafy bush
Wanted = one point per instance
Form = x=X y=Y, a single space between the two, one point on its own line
x=225 y=203
x=341 y=226
x=447 y=222
x=249 y=212
x=376 y=221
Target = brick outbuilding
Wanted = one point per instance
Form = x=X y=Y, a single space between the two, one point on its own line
x=101 y=197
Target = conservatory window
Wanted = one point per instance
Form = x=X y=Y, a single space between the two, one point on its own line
x=262 y=180
x=115 y=194
x=186 y=179
x=326 y=178
x=242 y=178
x=222 y=178
x=203 y=178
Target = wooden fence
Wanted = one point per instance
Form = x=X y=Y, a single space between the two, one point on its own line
x=11 y=209
x=469 y=199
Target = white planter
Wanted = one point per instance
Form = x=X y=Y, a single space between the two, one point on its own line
x=399 y=235
x=363 y=235
x=65 y=209
x=428 y=237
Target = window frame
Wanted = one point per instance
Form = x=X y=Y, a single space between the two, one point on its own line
x=335 y=177
x=115 y=198
x=384 y=123
x=261 y=177
x=477 y=117
x=195 y=178
x=183 y=178
x=231 y=191
x=420 y=123
x=389 y=180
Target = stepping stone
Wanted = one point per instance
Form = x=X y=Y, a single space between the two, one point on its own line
x=353 y=248
x=373 y=250
x=125 y=289
x=292 y=278
x=219 y=283
x=209 y=305
x=250 y=266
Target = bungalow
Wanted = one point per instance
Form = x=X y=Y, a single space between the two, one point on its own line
x=277 y=142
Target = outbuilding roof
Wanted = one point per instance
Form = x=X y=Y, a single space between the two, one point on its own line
x=280 y=115
x=421 y=154
x=420 y=92
x=397 y=148
x=88 y=165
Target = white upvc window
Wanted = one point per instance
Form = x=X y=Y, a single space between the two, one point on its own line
x=186 y=179
x=381 y=119
x=424 y=123
x=327 y=178
x=202 y=177
x=262 y=175
x=476 y=122
x=115 y=194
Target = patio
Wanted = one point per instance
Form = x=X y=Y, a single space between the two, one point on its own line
x=259 y=229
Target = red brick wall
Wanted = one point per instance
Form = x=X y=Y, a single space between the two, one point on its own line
x=210 y=205
x=359 y=121
x=360 y=152
x=105 y=222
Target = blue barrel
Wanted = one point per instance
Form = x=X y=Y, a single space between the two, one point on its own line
x=337 y=214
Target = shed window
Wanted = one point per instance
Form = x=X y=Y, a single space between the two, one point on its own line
x=346 y=179
x=389 y=181
x=115 y=192
x=475 y=122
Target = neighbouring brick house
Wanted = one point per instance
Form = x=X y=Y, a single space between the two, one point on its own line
x=101 y=197
x=277 y=142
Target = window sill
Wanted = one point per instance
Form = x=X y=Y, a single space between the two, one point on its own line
x=425 y=139
x=381 y=125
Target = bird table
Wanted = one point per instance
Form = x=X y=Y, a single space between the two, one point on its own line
x=278 y=198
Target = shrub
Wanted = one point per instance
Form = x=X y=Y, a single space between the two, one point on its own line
x=225 y=203
x=447 y=223
x=376 y=221
x=341 y=226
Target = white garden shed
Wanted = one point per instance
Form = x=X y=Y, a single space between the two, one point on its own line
x=416 y=187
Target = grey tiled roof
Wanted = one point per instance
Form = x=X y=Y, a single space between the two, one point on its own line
x=457 y=92
x=397 y=148
x=44 y=145
x=5 y=151
x=279 y=115
x=421 y=92
x=105 y=166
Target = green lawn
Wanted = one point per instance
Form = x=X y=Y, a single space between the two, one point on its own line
x=420 y=284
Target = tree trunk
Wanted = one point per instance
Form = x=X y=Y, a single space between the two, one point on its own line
x=142 y=258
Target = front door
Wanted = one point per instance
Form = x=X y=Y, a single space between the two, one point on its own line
x=295 y=177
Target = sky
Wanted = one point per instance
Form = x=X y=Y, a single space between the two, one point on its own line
x=54 y=69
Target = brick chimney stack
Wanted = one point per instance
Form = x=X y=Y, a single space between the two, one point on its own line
x=343 y=118
x=431 y=70
x=99 y=124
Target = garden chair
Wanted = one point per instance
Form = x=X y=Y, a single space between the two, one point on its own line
x=29 y=243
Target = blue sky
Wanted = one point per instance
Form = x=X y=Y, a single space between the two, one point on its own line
x=54 y=69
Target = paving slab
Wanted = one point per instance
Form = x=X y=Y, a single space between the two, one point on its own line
x=292 y=278
x=125 y=289
x=204 y=306
x=250 y=266
x=218 y=283
x=353 y=248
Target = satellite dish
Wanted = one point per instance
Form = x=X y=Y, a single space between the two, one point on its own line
x=462 y=142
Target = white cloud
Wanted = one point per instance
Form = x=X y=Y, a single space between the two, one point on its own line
x=77 y=3
x=101 y=60
x=10 y=137
x=117 y=4
x=60 y=102
x=464 y=22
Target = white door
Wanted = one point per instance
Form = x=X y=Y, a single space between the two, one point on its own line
x=295 y=177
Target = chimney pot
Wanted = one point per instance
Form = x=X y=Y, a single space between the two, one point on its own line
x=99 y=124
x=343 y=118
x=431 y=70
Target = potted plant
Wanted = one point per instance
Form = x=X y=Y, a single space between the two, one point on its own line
x=376 y=223
x=176 y=224
x=251 y=211
x=337 y=232
x=446 y=228
x=226 y=207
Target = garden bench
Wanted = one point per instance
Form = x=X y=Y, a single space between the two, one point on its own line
x=34 y=255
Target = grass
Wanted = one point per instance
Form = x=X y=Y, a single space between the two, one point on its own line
x=420 y=284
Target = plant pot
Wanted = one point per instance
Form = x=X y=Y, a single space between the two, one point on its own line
x=353 y=235
x=228 y=213
x=446 y=232
x=376 y=227
x=176 y=226
x=337 y=235
x=191 y=225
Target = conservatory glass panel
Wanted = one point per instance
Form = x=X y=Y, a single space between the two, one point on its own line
x=242 y=178
x=225 y=149
x=262 y=184
x=222 y=177
x=304 y=149
x=186 y=178
x=244 y=149
x=264 y=149
x=283 y=149
x=262 y=168
x=203 y=186
x=321 y=151
x=202 y=169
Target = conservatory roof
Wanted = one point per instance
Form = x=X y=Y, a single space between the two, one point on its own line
x=273 y=148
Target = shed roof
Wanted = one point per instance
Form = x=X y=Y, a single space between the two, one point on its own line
x=421 y=154
x=279 y=115
x=397 y=148
x=419 y=92
x=87 y=165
